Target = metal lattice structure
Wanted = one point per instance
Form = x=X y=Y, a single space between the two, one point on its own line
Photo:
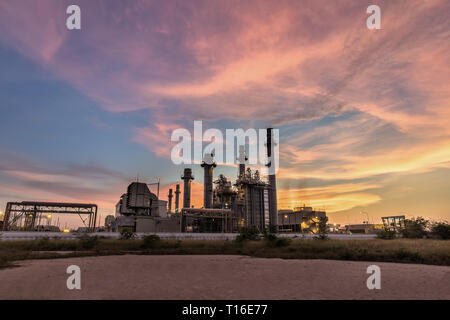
x=26 y=214
x=206 y=220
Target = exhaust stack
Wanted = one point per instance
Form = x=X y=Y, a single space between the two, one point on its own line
x=272 y=180
x=177 y=198
x=208 y=165
x=170 y=200
x=187 y=178
x=242 y=159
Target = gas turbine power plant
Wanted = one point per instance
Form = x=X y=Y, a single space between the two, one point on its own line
x=227 y=207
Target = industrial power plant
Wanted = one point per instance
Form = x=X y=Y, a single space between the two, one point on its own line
x=249 y=201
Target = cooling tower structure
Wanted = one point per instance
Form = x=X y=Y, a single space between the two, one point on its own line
x=187 y=178
x=177 y=198
x=170 y=196
x=208 y=165
x=272 y=180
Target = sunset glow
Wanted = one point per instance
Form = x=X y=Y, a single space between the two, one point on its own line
x=363 y=115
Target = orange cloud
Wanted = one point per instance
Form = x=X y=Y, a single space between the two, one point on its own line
x=331 y=198
x=375 y=102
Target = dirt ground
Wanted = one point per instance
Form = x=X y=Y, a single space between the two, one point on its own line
x=220 y=277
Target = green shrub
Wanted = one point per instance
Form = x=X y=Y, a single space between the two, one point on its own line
x=43 y=243
x=440 y=230
x=87 y=242
x=248 y=233
x=403 y=254
x=386 y=234
x=282 y=242
x=273 y=241
x=150 y=241
x=126 y=234
x=269 y=236
x=415 y=228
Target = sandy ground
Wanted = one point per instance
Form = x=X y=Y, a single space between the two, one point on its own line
x=220 y=277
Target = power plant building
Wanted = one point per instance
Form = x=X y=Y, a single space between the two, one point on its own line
x=227 y=207
x=141 y=211
x=301 y=219
x=249 y=201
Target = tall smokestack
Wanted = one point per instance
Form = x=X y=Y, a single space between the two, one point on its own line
x=208 y=165
x=187 y=177
x=272 y=180
x=242 y=159
x=177 y=198
x=170 y=200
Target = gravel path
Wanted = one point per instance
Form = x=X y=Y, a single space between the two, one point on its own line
x=220 y=277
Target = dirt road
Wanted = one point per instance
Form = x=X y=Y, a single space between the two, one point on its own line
x=220 y=277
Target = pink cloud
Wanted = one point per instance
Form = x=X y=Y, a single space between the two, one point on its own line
x=156 y=138
x=33 y=28
x=284 y=63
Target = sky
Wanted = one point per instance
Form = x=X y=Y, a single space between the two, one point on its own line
x=363 y=115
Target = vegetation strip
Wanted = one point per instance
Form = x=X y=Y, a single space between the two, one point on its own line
x=424 y=251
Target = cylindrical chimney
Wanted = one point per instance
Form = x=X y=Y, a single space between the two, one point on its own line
x=272 y=180
x=187 y=177
x=242 y=159
x=177 y=198
x=170 y=200
x=208 y=165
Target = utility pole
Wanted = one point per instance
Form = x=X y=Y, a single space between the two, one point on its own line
x=157 y=183
x=364 y=212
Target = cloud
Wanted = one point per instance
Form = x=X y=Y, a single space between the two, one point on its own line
x=33 y=28
x=25 y=180
x=276 y=64
x=351 y=103
x=331 y=196
x=156 y=138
